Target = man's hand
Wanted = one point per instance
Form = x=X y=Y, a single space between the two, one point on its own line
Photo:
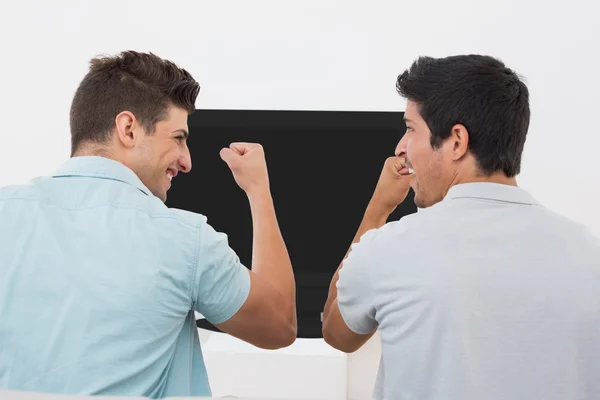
x=393 y=185
x=248 y=165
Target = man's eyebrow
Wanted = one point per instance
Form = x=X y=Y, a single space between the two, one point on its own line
x=185 y=133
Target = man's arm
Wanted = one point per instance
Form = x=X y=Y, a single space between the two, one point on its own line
x=335 y=331
x=267 y=317
x=392 y=188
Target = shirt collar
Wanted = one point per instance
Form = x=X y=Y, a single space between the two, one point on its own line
x=100 y=167
x=491 y=191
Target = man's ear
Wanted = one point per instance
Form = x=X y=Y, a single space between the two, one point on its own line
x=127 y=128
x=459 y=140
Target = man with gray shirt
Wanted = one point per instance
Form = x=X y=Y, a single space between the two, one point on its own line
x=484 y=293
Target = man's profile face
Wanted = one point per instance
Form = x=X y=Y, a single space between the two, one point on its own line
x=428 y=164
x=161 y=155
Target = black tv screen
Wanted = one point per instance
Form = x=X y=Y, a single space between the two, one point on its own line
x=323 y=168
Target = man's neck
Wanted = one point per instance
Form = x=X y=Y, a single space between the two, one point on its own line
x=92 y=150
x=498 y=177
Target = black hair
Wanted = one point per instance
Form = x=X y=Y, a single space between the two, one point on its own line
x=479 y=92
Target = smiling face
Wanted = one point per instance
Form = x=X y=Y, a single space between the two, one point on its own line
x=467 y=118
x=433 y=168
x=158 y=157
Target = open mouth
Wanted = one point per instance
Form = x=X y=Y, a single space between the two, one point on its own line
x=171 y=173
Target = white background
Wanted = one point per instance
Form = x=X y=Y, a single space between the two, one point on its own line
x=322 y=55
x=317 y=55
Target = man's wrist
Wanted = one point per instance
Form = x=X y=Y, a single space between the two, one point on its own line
x=378 y=212
x=259 y=196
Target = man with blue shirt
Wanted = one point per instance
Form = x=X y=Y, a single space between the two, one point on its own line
x=99 y=280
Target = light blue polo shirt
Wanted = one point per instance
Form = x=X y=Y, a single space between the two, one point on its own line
x=99 y=281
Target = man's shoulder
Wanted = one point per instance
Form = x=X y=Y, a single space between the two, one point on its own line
x=403 y=236
x=23 y=190
x=444 y=217
x=172 y=217
x=574 y=231
x=422 y=220
x=558 y=219
x=188 y=217
x=44 y=189
x=21 y=196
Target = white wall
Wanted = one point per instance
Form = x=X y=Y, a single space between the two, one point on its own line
x=318 y=54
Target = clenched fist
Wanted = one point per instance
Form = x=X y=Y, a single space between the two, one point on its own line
x=393 y=185
x=248 y=165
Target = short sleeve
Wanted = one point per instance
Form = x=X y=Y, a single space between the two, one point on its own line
x=354 y=289
x=222 y=282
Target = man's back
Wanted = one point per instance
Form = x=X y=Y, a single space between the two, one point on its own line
x=97 y=281
x=486 y=295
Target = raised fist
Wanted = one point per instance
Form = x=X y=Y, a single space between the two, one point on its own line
x=248 y=165
x=393 y=185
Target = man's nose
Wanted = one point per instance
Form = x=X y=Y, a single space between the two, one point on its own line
x=401 y=147
x=185 y=161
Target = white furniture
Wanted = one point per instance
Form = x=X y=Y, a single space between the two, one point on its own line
x=308 y=369
x=361 y=369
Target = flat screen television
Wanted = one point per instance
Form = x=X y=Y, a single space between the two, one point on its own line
x=323 y=167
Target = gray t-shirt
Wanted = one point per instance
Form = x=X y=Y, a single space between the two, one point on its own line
x=486 y=295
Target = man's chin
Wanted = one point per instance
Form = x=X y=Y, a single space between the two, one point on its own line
x=162 y=195
x=419 y=202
